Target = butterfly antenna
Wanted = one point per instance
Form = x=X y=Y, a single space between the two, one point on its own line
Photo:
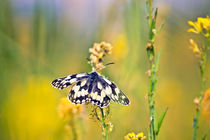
x=88 y=59
x=109 y=63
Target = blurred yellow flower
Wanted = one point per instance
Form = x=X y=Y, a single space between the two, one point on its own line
x=206 y=104
x=201 y=26
x=68 y=110
x=132 y=136
x=120 y=49
x=194 y=47
x=197 y=27
x=30 y=110
x=110 y=126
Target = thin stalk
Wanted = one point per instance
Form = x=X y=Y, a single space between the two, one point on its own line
x=153 y=64
x=73 y=130
x=203 y=81
x=152 y=83
x=104 y=124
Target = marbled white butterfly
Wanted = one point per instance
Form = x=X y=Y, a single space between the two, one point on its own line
x=91 y=87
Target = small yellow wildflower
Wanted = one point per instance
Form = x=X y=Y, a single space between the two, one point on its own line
x=132 y=136
x=206 y=104
x=68 y=110
x=201 y=26
x=194 y=47
x=197 y=27
x=110 y=127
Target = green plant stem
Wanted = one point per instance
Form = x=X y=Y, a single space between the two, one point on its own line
x=202 y=72
x=151 y=97
x=72 y=124
x=104 y=124
x=151 y=105
x=153 y=64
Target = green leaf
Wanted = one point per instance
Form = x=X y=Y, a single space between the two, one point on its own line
x=161 y=26
x=204 y=137
x=154 y=19
x=158 y=31
x=153 y=24
x=161 y=120
x=148 y=135
x=157 y=60
x=156 y=12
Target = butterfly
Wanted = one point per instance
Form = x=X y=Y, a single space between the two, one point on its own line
x=91 y=87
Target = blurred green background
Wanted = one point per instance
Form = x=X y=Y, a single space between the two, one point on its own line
x=44 y=40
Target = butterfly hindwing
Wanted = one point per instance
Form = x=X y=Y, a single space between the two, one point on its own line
x=98 y=95
x=64 y=82
x=115 y=93
x=79 y=93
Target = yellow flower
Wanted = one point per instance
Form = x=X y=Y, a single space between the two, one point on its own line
x=197 y=27
x=68 y=110
x=110 y=126
x=206 y=105
x=132 y=136
x=141 y=136
x=29 y=111
x=205 y=22
x=120 y=49
x=194 y=47
x=201 y=26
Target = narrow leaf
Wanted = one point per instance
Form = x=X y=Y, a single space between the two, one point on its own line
x=204 y=137
x=156 y=12
x=161 y=26
x=161 y=120
x=158 y=30
x=157 y=60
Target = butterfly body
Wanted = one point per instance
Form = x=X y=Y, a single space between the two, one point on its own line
x=91 y=87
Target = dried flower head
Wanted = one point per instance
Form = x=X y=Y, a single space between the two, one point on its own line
x=132 y=136
x=67 y=110
x=98 y=52
x=197 y=102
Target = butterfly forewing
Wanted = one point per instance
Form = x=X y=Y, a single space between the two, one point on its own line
x=64 y=82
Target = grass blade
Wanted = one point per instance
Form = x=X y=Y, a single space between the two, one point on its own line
x=161 y=120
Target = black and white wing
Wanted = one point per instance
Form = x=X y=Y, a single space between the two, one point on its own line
x=98 y=95
x=91 y=87
x=79 y=93
x=64 y=82
x=115 y=93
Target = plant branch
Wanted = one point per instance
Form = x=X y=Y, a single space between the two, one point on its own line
x=202 y=65
x=153 y=67
x=104 y=124
x=72 y=124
